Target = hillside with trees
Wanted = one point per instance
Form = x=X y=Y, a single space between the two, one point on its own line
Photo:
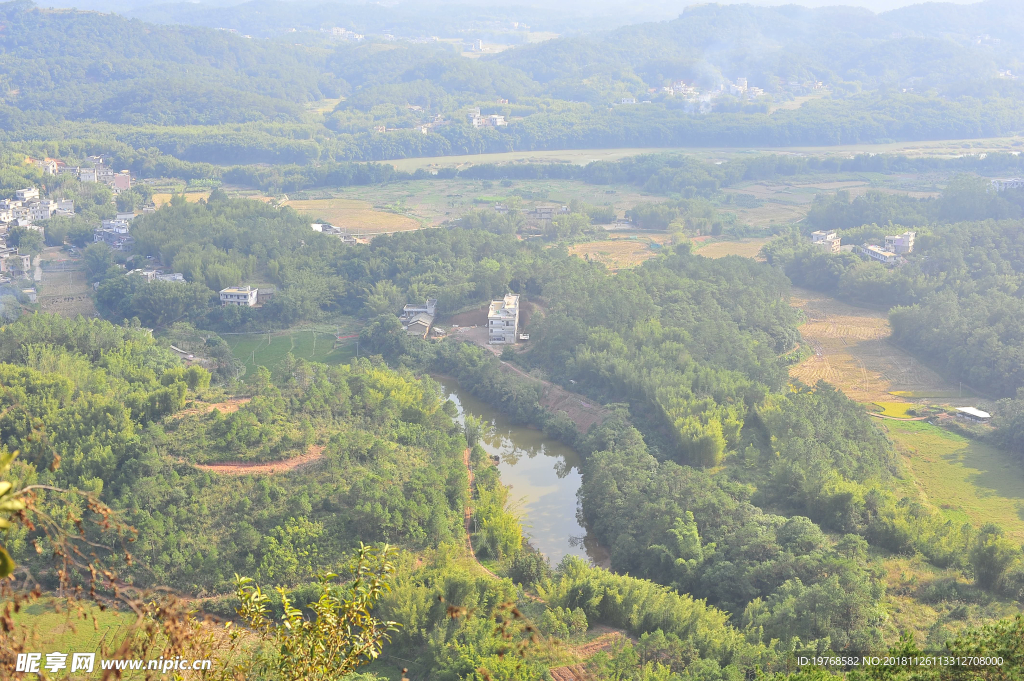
x=203 y=95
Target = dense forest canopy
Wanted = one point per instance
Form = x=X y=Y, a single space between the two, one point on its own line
x=744 y=515
x=203 y=95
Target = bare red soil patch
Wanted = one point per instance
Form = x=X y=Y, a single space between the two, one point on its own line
x=269 y=468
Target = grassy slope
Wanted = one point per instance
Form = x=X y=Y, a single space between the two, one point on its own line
x=968 y=480
x=68 y=631
x=309 y=344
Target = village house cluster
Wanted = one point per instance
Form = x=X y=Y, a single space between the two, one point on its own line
x=502 y=320
x=698 y=98
x=896 y=246
x=480 y=121
x=701 y=99
x=891 y=253
x=27 y=209
x=115 y=232
x=99 y=171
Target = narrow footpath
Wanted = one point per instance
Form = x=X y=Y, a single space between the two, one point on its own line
x=469 y=515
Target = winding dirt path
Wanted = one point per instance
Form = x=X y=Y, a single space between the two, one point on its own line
x=315 y=453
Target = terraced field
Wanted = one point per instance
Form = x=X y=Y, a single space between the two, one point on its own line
x=852 y=352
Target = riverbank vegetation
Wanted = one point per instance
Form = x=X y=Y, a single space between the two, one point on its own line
x=696 y=352
x=714 y=478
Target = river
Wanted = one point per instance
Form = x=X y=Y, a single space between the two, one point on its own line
x=543 y=475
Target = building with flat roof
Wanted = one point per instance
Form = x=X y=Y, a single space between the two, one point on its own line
x=244 y=296
x=826 y=240
x=880 y=254
x=428 y=307
x=900 y=244
x=973 y=414
x=503 y=320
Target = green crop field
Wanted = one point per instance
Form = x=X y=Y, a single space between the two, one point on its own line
x=968 y=480
x=68 y=631
x=314 y=345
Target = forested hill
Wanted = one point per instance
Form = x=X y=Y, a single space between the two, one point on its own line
x=747 y=73
x=85 y=65
x=915 y=47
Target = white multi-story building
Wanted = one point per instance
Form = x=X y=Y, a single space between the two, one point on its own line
x=827 y=240
x=900 y=244
x=244 y=296
x=12 y=261
x=503 y=320
x=41 y=210
x=27 y=194
x=65 y=207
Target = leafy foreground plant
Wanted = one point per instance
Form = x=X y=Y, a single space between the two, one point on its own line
x=342 y=636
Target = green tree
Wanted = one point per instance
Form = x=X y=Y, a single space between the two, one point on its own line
x=991 y=555
x=55 y=231
x=343 y=633
x=128 y=202
x=26 y=239
x=384 y=297
x=98 y=258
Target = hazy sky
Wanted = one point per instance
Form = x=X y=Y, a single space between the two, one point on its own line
x=666 y=7
x=618 y=11
x=672 y=7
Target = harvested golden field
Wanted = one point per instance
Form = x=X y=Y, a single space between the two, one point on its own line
x=191 y=197
x=359 y=217
x=616 y=254
x=746 y=248
x=851 y=351
x=66 y=293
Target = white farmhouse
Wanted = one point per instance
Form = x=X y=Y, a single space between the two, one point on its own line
x=244 y=296
x=503 y=320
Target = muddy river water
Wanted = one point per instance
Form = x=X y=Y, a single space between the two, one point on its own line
x=543 y=475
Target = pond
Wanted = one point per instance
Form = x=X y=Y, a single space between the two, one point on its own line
x=543 y=475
